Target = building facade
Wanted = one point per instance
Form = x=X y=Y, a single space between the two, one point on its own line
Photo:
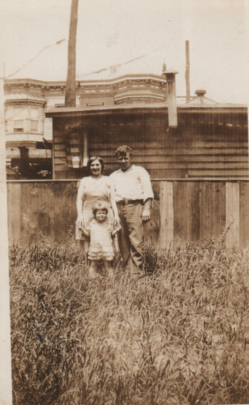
x=29 y=131
x=211 y=139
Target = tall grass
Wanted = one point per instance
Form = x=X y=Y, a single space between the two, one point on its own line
x=178 y=335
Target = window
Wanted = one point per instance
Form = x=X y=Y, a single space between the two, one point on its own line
x=34 y=125
x=18 y=126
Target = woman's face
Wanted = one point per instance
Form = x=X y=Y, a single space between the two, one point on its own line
x=96 y=168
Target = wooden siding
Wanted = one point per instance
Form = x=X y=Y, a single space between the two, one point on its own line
x=184 y=211
x=204 y=144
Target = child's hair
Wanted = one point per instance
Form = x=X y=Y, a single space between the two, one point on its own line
x=99 y=206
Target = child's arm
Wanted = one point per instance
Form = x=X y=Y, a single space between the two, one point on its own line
x=85 y=231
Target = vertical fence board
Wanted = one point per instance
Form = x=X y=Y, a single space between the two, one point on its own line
x=44 y=215
x=151 y=228
x=166 y=214
x=206 y=210
x=219 y=217
x=65 y=210
x=14 y=212
x=193 y=211
x=188 y=210
x=26 y=213
x=232 y=214
x=180 y=217
x=212 y=209
x=244 y=214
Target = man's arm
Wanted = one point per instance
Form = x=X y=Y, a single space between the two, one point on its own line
x=146 y=210
x=148 y=193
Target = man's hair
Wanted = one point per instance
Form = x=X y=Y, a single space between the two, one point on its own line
x=92 y=159
x=99 y=206
x=122 y=150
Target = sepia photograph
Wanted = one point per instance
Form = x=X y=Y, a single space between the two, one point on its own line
x=124 y=202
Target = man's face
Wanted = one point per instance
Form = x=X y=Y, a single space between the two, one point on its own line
x=125 y=161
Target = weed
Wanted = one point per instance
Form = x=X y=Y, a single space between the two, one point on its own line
x=178 y=336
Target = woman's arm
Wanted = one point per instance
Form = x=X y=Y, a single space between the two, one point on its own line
x=85 y=232
x=79 y=202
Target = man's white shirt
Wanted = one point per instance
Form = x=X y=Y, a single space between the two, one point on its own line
x=132 y=184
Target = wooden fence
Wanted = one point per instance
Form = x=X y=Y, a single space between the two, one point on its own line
x=184 y=210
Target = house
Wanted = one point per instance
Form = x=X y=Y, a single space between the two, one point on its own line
x=27 y=101
x=210 y=139
x=198 y=161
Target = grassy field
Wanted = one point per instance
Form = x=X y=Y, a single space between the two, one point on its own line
x=178 y=335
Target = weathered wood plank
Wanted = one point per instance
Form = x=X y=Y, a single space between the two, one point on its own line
x=60 y=154
x=232 y=214
x=61 y=167
x=62 y=175
x=58 y=146
x=179 y=206
x=59 y=139
x=29 y=227
x=151 y=228
x=212 y=166
x=219 y=218
x=244 y=214
x=218 y=173
x=206 y=210
x=166 y=232
x=193 y=212
x=65 y=210
x=188 y=210
x=168 y=150
x=177 y=158
x=45 y=212
x=14 y=212
x=179 y=143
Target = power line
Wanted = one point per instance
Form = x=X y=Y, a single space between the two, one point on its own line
x=35 y=57
x=114 y=67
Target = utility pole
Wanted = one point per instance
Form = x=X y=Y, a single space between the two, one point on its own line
x=187 y=75
x=70 y=96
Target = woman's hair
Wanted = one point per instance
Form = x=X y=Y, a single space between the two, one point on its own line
x=91 y=159
x=99 y=206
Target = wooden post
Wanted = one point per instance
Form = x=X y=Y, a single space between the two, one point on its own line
x=70 y=95
x=166 y=232
x=24 y=167
x=5 y=363
x=85 y=149
x=172 y=108
x=187 y=72
x=232 y=214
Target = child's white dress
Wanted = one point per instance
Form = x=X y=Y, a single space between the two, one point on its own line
x=101 y=242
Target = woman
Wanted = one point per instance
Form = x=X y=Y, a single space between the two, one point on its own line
x=93 y=189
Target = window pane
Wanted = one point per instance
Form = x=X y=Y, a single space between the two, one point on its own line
x=18 y=125
x=34 y=113
x=34 y=125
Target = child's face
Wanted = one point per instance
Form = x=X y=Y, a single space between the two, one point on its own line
x=101 y=215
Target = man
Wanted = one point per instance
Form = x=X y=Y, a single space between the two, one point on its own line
x=134 y=196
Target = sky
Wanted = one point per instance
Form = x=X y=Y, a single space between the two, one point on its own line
x=114 y=32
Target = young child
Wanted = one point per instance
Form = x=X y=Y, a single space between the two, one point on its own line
x=101 y=233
